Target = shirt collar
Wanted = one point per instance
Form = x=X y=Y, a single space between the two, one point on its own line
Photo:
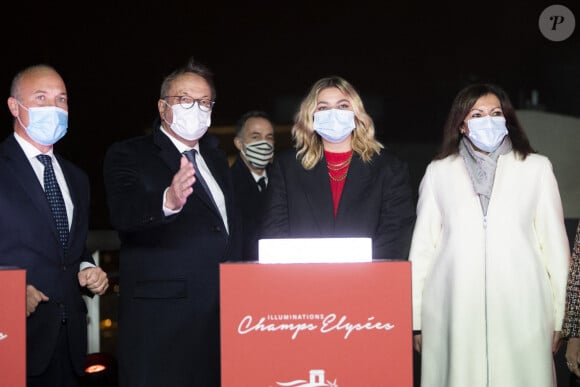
x=30 y=150
x=258 y=177
x=181 y=147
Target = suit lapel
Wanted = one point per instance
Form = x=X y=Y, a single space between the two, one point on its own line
x=320 y=198
x=24 y=174
x=357 y=181
x=316 y=186
x=167 y=151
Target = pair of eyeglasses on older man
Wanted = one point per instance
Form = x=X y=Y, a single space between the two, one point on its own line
x=187 y=102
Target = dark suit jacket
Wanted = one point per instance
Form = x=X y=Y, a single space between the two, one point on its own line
x=169 y=266
x=376 y=202
x=29 y=240
x=251 y=204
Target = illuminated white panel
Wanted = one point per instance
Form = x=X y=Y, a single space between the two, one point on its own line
x=315 y=250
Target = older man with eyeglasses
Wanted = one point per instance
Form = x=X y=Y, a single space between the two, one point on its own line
x=170 y=197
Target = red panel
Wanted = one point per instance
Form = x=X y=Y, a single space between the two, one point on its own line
x=13 y=328
x=325 y=324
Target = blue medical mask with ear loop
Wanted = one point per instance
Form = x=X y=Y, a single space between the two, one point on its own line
x=334 y=125
x=46 y=124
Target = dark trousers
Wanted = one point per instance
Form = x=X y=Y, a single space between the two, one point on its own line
x=60 y=371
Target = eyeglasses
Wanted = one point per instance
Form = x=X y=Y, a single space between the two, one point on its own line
x=187 y=102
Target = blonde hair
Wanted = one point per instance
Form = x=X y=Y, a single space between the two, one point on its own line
x=308 y=142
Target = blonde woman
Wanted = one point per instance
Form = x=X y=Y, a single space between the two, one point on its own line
x=338 y=180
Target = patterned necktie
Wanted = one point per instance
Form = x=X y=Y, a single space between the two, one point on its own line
x=191 y=155
x=262 y=184
x=54 y=196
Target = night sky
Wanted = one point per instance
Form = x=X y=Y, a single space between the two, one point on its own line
x=407 y=59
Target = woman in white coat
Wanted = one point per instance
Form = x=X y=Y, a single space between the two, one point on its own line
x=489 y=254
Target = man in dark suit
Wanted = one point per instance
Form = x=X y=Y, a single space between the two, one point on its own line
x=50 y=246
x=255 y=142
x=170 y=197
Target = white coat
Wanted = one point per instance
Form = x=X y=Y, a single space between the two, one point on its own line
x=488 y=293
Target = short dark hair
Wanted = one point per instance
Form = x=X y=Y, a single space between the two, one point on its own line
x=246 y=116
x=191 y=67
x=462 y=104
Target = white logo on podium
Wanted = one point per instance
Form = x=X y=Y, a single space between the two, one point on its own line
x=316 y=380
x=3 y=336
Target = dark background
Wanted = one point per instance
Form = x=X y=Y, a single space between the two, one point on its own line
x=407 y=59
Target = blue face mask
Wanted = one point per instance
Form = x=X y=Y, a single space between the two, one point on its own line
x=46 y=124
x=334 y=125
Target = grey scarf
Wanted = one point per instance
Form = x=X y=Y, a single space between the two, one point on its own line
x=481 y=167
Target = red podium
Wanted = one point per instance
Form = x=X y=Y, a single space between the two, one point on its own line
x=316 y=324
x=12 y=327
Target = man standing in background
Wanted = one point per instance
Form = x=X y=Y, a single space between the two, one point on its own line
x=255 y=141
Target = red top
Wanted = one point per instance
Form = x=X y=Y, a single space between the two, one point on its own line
x=337 y=164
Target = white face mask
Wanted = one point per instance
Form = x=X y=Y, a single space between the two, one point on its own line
x=334 y=125
x=192 y=123
x=487 y=132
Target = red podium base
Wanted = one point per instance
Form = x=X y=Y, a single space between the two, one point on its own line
x=12 y=327
x=319 y=324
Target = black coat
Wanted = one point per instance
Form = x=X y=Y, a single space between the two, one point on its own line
x=376 y=202
x=251 y=203
x=169 y=324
